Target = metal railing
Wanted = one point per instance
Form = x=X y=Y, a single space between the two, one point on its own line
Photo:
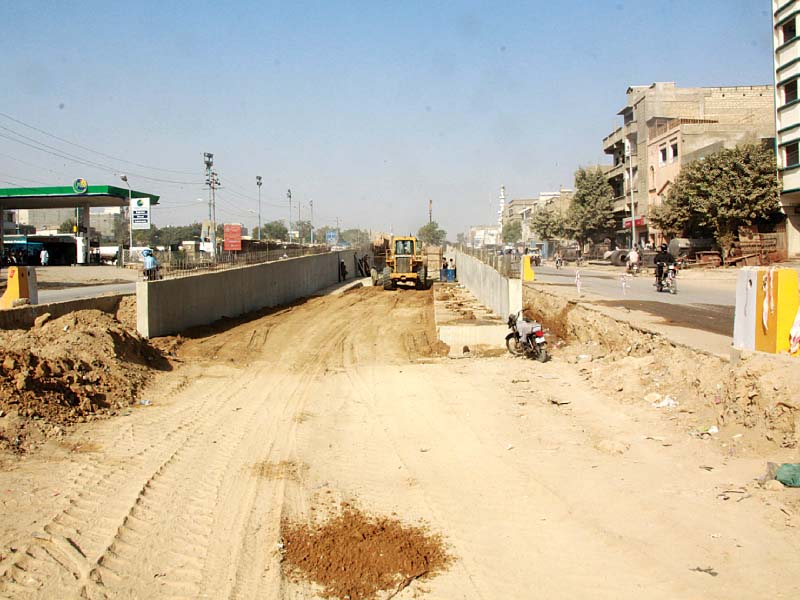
x=508 y=265
x=183 y=264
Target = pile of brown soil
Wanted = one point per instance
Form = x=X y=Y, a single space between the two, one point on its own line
x=356 y=556
x=756 y=394
x=73 y=368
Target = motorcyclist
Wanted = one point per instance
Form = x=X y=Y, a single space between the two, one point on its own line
x=662 y=258
x=633 y=259
x=150 y=268
x=558 y=260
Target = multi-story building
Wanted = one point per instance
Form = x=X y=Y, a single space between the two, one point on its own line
x=786 y=45
x=558 y=201
x=45 y=218
x=105 y=221
x=481 y=236
x=738 y=112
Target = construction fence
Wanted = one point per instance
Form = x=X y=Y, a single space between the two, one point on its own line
x=176 y=264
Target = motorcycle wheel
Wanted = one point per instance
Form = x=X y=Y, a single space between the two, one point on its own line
x=542 y=355
x=673 y=286
x=513 y=345
x=659 y=287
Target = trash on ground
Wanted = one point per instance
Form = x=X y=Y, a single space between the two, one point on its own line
x=558 y=401
x=789 y=474
x=145 y=402
x=667 y=402
x=706 y=570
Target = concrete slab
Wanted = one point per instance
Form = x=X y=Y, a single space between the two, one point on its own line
x=463 y=321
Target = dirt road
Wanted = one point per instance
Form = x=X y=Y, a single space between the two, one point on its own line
x=342 y=398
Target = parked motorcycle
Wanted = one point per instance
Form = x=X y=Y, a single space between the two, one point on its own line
x=526 y=338
x=667 y=277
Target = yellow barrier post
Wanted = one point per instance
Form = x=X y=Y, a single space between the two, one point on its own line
x=528 y=273
x=777 y=301
x=17 y=286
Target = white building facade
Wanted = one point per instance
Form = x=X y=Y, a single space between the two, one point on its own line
x=786 y=44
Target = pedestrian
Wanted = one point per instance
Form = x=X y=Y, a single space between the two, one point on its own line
x=342 y=271
x=150 y=267
x=44 y=257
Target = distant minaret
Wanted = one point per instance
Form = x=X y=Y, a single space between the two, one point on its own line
x=502 y=208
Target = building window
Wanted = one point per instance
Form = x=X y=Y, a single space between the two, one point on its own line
x=789 y=30
x=673 y=150
x=790 y=91
x=662 y=155
x=792 y=155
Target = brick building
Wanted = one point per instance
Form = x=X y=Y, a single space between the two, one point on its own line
x=663 y=126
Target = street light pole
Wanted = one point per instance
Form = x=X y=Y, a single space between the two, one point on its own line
x=130 y=216
x=630 y=183
x=311 y=204
x=258 y=183
x=289 y=230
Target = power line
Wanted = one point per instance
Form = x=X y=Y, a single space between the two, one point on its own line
x=62 y=154
x=93 y=151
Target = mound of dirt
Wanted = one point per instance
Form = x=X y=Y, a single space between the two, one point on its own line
x=755 y=394
x=357 y=556
x=74 y=368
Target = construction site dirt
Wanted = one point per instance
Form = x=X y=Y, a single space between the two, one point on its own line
x=554 y=480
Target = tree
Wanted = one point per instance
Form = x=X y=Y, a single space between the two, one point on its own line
x=591 y=213
x=719 y=193
x=303 y=228
x=275 y=230
x=460 y=239
x=67 y=226
x=355 y=237
x=548 y=224
x=431 y=234
x=512 y=232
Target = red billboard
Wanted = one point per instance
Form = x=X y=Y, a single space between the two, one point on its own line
x=626 y=222
x=233 y=237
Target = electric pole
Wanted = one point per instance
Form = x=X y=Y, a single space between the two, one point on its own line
x=311 y=204
x=212 y=181
x=258 y=183
x=430 y=212
x=289 y=232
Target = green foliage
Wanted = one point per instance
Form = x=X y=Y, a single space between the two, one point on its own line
x=67 y=226
x=431 y=234
x=548 y=224
x=591 y=214
x=721 y=192
x=355 y=237
x=303 y=228
x=512 y=232
x=460 y=238
x=274 y=230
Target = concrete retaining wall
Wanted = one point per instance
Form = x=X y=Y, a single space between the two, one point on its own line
x=23 y=317
x=501 y=294
x=172 y=305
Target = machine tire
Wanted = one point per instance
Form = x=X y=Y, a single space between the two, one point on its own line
x=542 y=355
x=388 y=285
x=512 y=345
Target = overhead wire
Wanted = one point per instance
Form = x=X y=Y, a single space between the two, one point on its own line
x=42 y=131
x=35 y=144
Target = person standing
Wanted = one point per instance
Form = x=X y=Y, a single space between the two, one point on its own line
x=44 y=257
x=150 y=265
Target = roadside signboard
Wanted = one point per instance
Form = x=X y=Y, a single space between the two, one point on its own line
x=294 y=234
x=626 y=222
x=232 y=237
x=140 y=213
x=331 y=238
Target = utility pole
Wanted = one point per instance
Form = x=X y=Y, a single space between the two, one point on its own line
x=338 y=233
x=629 y=152
x=299 y=237
x=430 y=212
x=212 y=181
x=258 y=183
x=311 y=204
x=289 y=232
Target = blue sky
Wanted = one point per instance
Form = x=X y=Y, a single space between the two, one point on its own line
x=368 y=108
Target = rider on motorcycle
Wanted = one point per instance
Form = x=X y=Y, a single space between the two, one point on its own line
x=662 y=259
x=633 y=260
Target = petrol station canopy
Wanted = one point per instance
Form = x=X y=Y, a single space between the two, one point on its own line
x=67 y=197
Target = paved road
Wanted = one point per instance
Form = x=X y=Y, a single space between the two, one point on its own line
x=609 y=285
x=89 y=291
x=700 y=303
